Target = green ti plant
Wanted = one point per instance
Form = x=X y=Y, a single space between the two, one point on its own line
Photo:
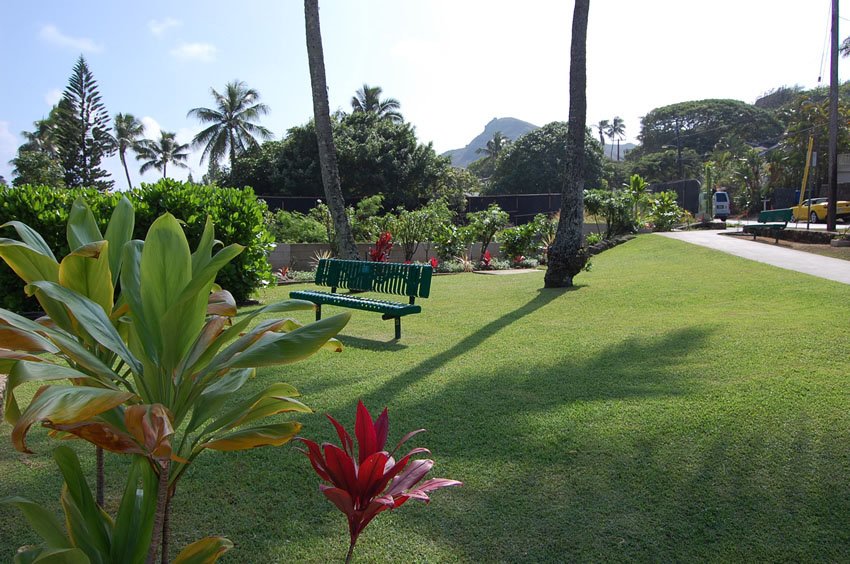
x=168 y=344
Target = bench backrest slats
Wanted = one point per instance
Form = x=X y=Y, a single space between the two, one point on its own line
x=412 y=280
x=769 y=216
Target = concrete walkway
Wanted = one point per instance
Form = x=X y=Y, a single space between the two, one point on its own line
x=789 y=259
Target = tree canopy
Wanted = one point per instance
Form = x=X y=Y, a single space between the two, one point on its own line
x=536 y=163
x=375 y=156
x=701 y=124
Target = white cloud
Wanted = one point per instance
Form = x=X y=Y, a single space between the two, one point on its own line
x=53 y=96
x=8 y=147
x=201 y=52
x=51 y=34
x=152 y=128
x=159 y=27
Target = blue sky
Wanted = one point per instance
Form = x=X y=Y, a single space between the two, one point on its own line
x=453 y=65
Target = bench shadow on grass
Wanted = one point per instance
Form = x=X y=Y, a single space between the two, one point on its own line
x=371 y=344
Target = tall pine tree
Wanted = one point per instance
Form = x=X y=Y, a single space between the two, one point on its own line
x=83 y=137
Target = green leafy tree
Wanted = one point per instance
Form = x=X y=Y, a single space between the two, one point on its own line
x=37 y=168
x=483 y=225
x=602 y=128
x=232 y=128
x=368 y=99
x=537 y=162
x=128 y=131
x=157 y=154
x=566 y=258
x=82 y=131
x=701 y=124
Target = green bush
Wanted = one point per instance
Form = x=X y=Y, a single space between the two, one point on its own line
x=295 y=227
x=238 y=215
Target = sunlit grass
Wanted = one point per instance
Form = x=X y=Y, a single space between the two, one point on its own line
x=678 y=404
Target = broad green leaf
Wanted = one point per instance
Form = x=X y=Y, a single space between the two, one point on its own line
x=87 y=524
x=52 y=556
x=118 y=232
x=131 y=534
x=166 y=269
x=202 y=255
x=213 y=398
x=64 y=405
x=27 y=371
x=266 y=435
x=284 y=348
x=31 y=237
x=145 y=334
x=42 y=521
x=204 y=551
x=27 y=263
x=82 y=228
x=92 y=319
x=86 y=271
x=275 y=399
x=14 y=339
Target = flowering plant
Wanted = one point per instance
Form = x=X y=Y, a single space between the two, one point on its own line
x=381 y=251
x=434 y=263
x=486 y=258
x=373 y=481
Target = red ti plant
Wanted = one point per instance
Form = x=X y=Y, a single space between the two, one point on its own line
x=381 y=251
x=486 y=258
x=434 y=263
x=373 y=481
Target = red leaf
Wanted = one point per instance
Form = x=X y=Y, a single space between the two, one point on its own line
x=364 y=429
x=411 y=476
x=382 y=428
x=340 y=467
x=344 y=437
x=368 y=475
x=316 y=459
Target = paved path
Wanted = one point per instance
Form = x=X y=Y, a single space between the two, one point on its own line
x=789 y=259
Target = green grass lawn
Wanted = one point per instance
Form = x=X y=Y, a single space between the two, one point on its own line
x=678 y=404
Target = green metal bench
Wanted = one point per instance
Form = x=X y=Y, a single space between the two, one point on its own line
x=411 y=280
x=771 y=221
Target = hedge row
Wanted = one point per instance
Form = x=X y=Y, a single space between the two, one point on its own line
x=237 y=214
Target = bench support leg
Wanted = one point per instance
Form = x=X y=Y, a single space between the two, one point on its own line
x=318 y=312
x=398 y=328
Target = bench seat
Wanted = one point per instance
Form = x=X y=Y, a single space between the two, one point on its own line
x=410 y=280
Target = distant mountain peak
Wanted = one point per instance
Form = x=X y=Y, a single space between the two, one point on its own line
x=511 y=128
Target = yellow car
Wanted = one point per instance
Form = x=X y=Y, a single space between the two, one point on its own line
x=818 y=210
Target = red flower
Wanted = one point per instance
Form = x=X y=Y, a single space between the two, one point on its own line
x=382 y=248
x=372 y=482
x=434 y=262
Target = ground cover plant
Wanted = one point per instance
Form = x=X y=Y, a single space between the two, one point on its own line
x=677 y=404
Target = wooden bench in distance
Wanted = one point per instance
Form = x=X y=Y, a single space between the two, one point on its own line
x=772 y=221
x=411 y=280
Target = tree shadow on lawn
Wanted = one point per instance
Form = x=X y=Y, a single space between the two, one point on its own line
x=631 y=460
x=393 y=387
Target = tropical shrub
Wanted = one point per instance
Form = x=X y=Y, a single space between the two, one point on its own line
x=162 y=363
x=370 y=481
x=450 y=241
x=483 y=225
x=592 y=239
x=239 y=215
x=664 y=211
x=381 y=251
x=295 y=227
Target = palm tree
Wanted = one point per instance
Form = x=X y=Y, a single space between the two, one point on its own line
x=158 y=154
x=232 y=131
x=494 y=146
x=128 y=130
x=617 y=130
x=324 y=134
x=566 y=256
x=602 y=126
x=368 y=99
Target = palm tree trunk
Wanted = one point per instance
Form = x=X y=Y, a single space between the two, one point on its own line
x=164 y=168
x=126 y=170
x=324 y=133
x=566 y=255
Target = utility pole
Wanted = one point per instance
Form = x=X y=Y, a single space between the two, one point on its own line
x=833 y=122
